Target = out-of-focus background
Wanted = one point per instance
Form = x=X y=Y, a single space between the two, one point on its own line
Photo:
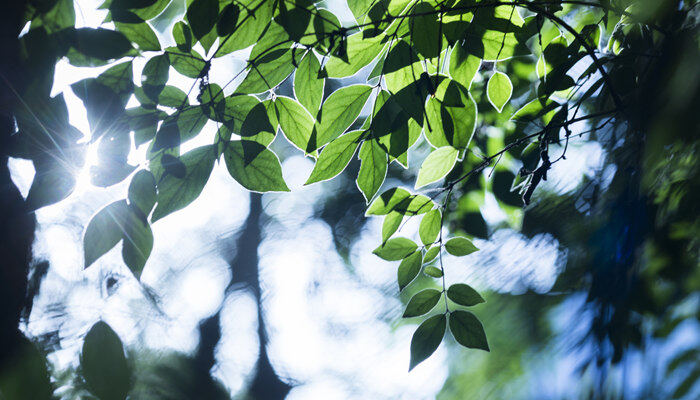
x=580 y=301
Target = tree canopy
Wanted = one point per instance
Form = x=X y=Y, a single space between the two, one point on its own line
x=491 y=93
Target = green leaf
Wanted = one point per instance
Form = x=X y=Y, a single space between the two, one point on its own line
x=228 y=20
x=437 y=165
x=176 y=193
x=138 y=242
x=433 y=271
x=308 y=83
x=189 y=64
x=467 y=330
x=103 y=363
x=155 y=75
x=104 y=231
x=269 y=70
x=142 y=34
x=427 y=338
x=144 y=123
x=254 y=17
x=338 y=112
x=119 y=78
x=146 y=9
x=409 y=269
x=431 y=253
x=183 y=36
x=430 y=226
x=28 y=376
x=274 y=38
x=99 y=45
x=391 y=223
x=396 y=249
x=422 y=303
x=372 y=169
x=202 y=15
x=178 y=128
x=142 y=191
x=451 y=116
x=254 y=166
x=499 y=90
x=258 y=125
x=425 y=30
x=60 y=17
x=294 y=20
x=386 y=202
x=360 y=52
x=295 y=121
x=393 y=128
x=463 y=66
x=464 y=295
x=400 y=199
x=324 y=27
x=460 y=246
x=335 y=157
x=172 y=97
x=53 y=182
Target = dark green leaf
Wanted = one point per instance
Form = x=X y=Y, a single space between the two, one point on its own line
x=269 y=70
x=100 y=44
x=119 y=78
x=173 y=97
x=138 y=241
x=427 y=338
x=409 y=269
x=183 y=36
x=463 y=66
x=103 y=363
x=52 y=183
x=467 y=330
x=255 y=167
x=425 y=30
x=176 y=193
x=104 y=231
x=254 y=17
x=202 y=15
x=228 y=19
x=189 y=64
x=464 y=295
x=155 y=75
x=451 y=116
x=142 y=34
x=422 y=303
x=142 y=191
x=294 y=20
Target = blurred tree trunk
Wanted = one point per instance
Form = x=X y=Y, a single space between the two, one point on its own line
x=245 y=275
x=16 y=223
